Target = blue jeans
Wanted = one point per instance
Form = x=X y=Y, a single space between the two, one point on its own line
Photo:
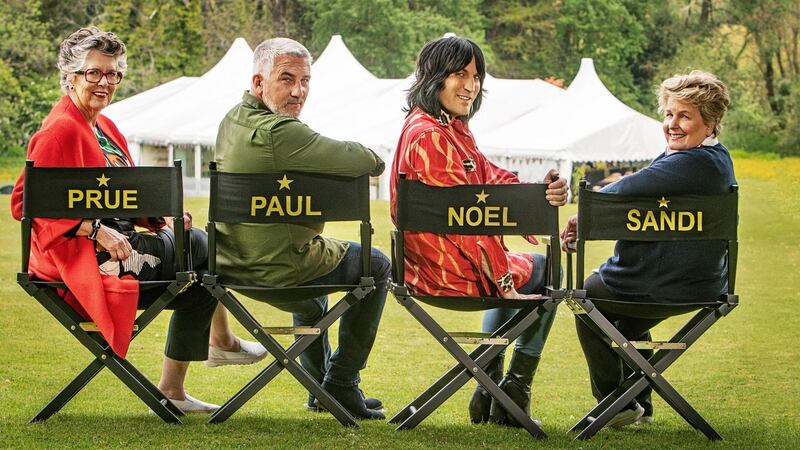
x=357 y=327
x=532 y=340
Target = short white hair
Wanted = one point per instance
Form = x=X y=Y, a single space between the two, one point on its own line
x=74 y=49
x=266 y=52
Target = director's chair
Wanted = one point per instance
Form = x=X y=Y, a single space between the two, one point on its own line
x=233 y=196
x=604 y=216
x=151 y=192
x=519 y=209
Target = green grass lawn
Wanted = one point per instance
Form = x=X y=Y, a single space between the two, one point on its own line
x=739 y=375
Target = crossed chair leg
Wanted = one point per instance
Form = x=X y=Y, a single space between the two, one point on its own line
x=105 y=357
x=470 y=365
x=647 y=371
x=285 y=358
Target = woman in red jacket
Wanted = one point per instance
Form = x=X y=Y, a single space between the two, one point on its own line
x=93 y=257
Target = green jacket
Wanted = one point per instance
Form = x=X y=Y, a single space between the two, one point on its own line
x=253 y=139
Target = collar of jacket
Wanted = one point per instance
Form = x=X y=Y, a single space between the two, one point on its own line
x=253 y=101
x=446 y=120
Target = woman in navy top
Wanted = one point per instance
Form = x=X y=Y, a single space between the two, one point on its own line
x=694 y=162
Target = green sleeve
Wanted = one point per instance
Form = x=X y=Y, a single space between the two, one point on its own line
x=298 y=147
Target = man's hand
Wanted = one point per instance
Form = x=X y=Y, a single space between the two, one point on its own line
x=569 y=235
x=115 y=243
x=187 y=222
x=556 y=192
x=514 y=295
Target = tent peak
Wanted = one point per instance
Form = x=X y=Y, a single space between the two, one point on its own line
x=239 y=41
x=337 y=58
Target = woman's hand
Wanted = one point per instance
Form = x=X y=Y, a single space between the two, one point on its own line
x=115 y=243
x=187 y=221
x=569 y=235
x=556 y=192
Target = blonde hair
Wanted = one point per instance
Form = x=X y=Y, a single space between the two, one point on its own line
x=701 y=89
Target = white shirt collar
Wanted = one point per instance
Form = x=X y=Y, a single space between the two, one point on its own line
x=710 y=141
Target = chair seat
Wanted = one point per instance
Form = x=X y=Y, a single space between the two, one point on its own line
x=269 y=294
x=143 y=285
x=659 y=309
x=476 y=303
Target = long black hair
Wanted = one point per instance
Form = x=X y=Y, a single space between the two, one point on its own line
x=436 y=61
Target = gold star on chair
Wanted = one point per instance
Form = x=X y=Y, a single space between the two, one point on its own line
x=284 y=182
x=102 y=181
x=482 y=196
x=662 y=202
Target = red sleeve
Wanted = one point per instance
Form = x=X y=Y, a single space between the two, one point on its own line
x=46 y=149
x=434 y=160
x=498 y=175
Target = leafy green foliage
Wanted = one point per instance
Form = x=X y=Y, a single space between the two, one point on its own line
x=378 y=32
x=27 y=85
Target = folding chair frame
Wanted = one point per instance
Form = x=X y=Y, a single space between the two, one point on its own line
x=470 y=365
x=646 y=371
x=285 y=357
x=474 y=363
x=46 y=294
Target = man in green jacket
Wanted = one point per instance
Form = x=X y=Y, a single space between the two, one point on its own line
x=263 y=134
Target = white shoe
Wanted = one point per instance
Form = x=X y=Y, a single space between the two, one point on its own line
x=249 y=353
x=194 y=406
x=644 y=420
x=625 y=417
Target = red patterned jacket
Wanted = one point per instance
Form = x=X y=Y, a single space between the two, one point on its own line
x=442 y=152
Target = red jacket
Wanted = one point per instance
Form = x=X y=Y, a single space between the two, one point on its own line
x=67 y=140
x=445 y=154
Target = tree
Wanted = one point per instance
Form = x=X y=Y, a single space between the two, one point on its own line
x=522 y=35
x=251 y=19
x=386 y=35
x=164 y=40
x=609 y=33
x=28 y=78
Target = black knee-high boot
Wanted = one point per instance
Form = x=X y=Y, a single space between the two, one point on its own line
x=517 y=384
x=481 y=401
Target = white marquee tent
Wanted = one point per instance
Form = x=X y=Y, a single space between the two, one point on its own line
x=524 y=125
x=586 y=124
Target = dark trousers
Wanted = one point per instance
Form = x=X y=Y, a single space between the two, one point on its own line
x=607 y=371
x=193 y=309
x=358 y=326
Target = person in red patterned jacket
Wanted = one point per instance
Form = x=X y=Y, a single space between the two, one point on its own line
x=437 y=148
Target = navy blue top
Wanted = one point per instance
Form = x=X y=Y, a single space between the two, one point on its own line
x=673 y=271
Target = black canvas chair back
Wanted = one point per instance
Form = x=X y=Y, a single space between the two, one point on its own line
x=294 y=198
x=102 y=193
x=512 y=209
x=603 y=216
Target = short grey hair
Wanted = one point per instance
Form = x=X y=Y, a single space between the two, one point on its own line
x=701 y=89
x=266 y=52
x=73 y=51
